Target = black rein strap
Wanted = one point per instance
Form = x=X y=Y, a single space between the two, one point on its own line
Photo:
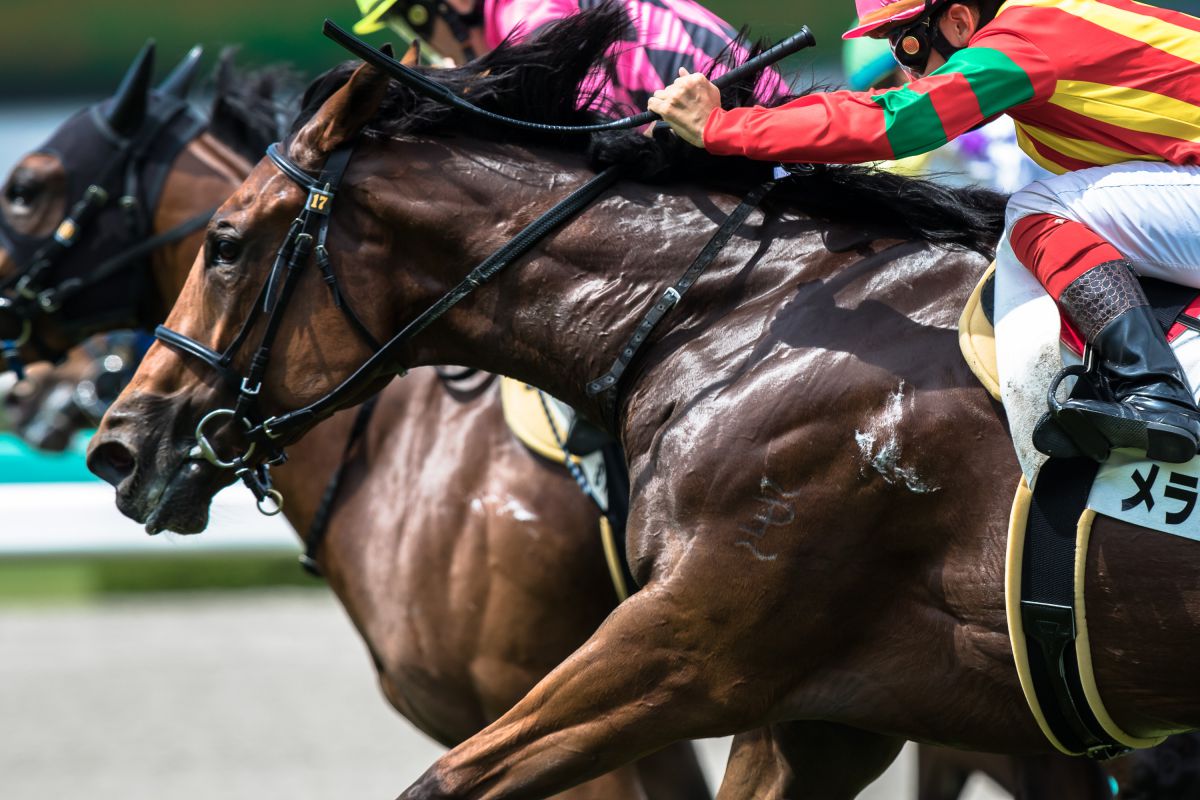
x=382 y=362
x=606 y=385
x=427 y=86
x=320 y=521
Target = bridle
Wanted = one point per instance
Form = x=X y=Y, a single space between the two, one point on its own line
x=53 y=271
x=306 y=236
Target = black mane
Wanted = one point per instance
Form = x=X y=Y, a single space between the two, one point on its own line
x=250 y=108
x=538 y=79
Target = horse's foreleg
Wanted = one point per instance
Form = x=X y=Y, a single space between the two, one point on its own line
x=941 y=775
x=646 y=678
x=805 y=760
x=622 y=783
x=673 y=773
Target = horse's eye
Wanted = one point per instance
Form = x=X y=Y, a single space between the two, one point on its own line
x=21 y=193
x=227 y=250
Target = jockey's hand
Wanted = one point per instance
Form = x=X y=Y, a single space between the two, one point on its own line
x=686 y=105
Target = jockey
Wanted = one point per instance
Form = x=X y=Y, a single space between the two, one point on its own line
x=670 y=35
x=1106 y=95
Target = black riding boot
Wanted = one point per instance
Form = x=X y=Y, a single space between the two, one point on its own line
x=1149 y=405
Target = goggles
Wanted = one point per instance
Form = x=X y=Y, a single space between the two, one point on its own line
x=911 y=44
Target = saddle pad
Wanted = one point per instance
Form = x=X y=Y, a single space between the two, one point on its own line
x=1026 y=355
x=529 y=412
x=977 y=338
x=526 y=418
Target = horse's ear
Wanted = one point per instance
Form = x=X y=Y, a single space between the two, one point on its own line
x=179 y=82
x=126 y=109
x=413 y=55
x=341 y=117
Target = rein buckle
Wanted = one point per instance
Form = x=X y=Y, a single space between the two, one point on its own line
x=266 y=429
x=22 y=287
x=48 y=301
x=268 y=499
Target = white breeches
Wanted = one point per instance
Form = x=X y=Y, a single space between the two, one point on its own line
x=1149 y=211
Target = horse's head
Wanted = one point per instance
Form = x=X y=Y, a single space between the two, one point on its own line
x=256 y=329
x=75 y=213
x=389 y=219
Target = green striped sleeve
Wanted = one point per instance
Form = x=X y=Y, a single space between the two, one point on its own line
x=997 y=81
x=975 y=84
x=911 y=123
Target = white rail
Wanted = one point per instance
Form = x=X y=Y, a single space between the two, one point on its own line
x=81 y=518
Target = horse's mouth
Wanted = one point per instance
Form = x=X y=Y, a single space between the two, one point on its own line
x=182 y=504
x=178 y=503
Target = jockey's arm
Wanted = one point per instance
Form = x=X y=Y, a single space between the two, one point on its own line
x=993 y=75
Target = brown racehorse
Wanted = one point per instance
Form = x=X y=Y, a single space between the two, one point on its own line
x=820 y=489
x=470 y=566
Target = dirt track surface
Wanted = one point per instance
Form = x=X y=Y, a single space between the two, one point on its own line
x=261 y=696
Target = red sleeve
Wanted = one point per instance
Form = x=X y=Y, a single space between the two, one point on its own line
x=977 y=83
x=814 y=129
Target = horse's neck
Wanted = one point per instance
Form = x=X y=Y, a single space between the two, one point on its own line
x=558 y=317
x=415 y=401
x=204 y=174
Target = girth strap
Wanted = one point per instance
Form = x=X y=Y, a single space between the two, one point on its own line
x=607 y=384
x=1048 y=606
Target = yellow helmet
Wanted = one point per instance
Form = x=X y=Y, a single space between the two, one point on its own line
x=375 y=18
x=372 y=15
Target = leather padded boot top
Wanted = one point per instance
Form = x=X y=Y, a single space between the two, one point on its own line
x=1144 y=401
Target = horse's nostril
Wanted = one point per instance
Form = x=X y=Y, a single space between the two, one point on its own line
x=112 y=461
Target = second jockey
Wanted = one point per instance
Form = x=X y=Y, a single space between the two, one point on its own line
x=667 y=35
x=1106 y=95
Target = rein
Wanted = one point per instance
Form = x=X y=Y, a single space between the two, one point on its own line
x=424 y=85
x=271 y=433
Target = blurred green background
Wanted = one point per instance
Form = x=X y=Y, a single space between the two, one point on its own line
x=77 y=47
x=80 y=47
